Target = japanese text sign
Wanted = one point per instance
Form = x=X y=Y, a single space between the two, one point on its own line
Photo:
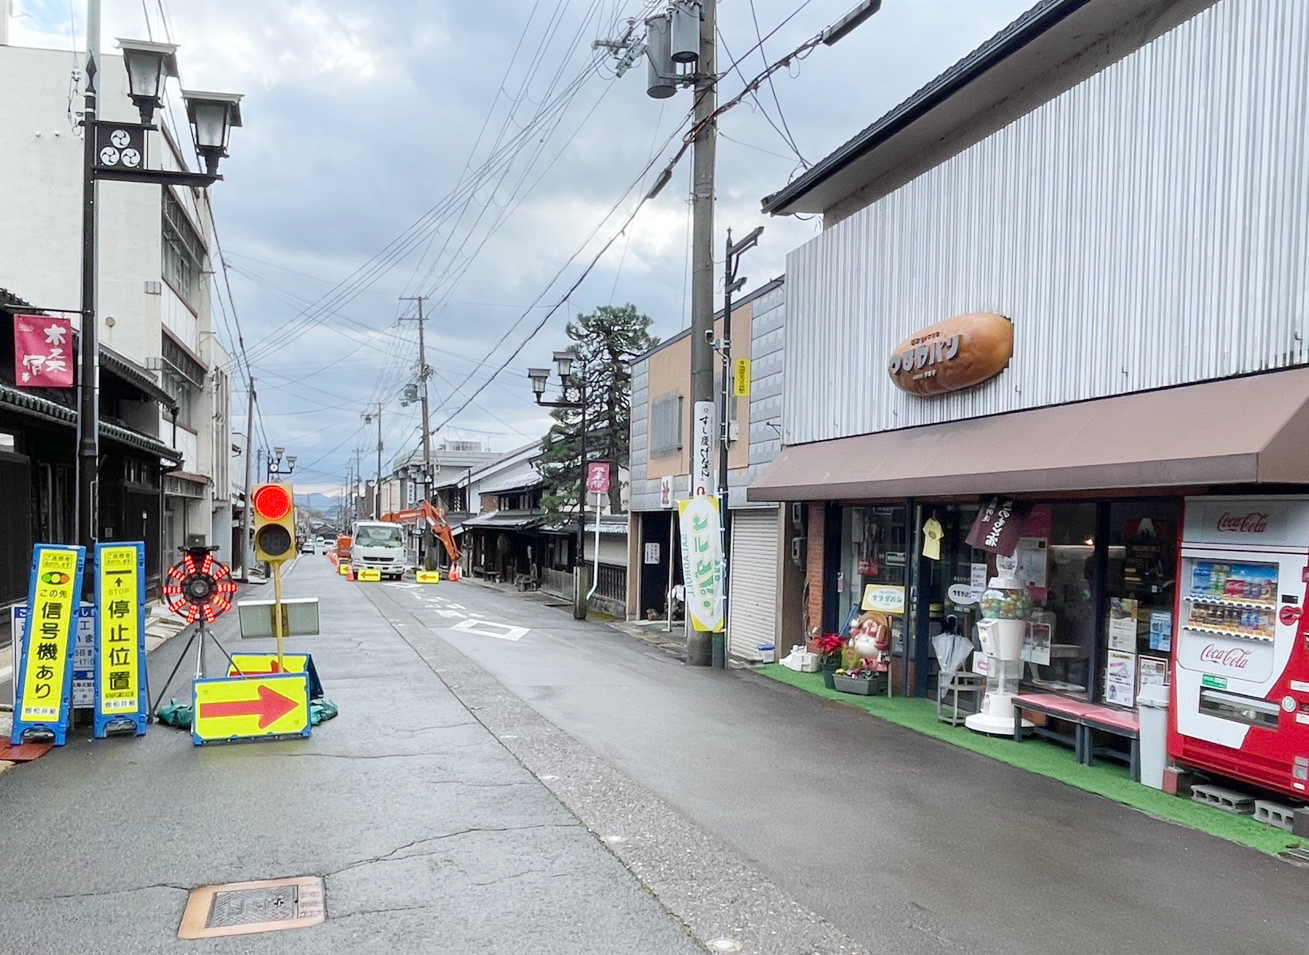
x=702 y=452
x=120 y=635
x=597 y=477
x=46 y=669
x=741 y=377
x=999 y=525
x=702 y=562
x=43 y=349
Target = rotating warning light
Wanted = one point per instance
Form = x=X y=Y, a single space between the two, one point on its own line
x=274 y=533
x=198 y=586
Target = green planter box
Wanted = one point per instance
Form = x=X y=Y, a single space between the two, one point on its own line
x=855 y=684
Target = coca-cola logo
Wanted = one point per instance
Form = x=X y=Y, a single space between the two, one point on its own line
x=1252 y=523
x=1233 y=657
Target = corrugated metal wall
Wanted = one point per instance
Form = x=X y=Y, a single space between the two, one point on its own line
x=1144 y=229
x=767 y=367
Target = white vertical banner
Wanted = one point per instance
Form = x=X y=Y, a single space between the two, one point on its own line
x=702 y=450
x=702 y=562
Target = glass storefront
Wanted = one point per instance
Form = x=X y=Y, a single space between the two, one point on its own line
x=1099 y=574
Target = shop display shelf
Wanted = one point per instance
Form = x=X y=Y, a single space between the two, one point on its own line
x=1216 y=601
x=1225 y=632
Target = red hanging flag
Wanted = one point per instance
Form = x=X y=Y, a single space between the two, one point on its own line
x=43 y=352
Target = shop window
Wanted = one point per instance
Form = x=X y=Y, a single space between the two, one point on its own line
x=1139 y=628
x=873 y=552
x=1060 y=571
x=666 y=425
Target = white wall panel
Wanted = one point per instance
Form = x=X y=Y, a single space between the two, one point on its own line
x=1144 y=229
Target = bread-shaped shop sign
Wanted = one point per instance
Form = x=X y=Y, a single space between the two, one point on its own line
x=952 y=355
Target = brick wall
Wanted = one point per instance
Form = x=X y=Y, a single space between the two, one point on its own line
x=814 y=566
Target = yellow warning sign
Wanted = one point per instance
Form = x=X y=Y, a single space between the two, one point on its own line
x=250 y=707
x=119 y=635
x=343 y=569
x=369 y=574
x=741 y=377
x=56 y=579
x=260 y=664
x=427 y=576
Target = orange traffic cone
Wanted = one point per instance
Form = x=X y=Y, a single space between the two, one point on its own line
x=350 y=573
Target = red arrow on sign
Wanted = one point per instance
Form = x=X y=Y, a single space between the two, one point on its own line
x=270 y=707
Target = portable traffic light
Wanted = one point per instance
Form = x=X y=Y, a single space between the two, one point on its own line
x=274 y=507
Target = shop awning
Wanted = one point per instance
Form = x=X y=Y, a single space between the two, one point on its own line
x=1252 y=430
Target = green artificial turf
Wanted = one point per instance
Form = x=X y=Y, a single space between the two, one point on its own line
x=1049 y=759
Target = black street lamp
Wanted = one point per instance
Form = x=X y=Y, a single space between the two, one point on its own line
x=564 y=364
x=118 y=151
x=275 y=469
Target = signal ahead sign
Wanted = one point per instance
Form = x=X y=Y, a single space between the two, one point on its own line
x=228 y=709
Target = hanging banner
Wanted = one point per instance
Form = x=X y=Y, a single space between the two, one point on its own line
x=120 y=637
x=702 y=562
x=702 y=451
x=999 y=525
x=45 y=674
x=43 y=349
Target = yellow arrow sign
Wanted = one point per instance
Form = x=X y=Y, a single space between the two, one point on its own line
x=258 y=664
x=250 y=708
x=343 y=569
x=369 y=574
x=427 y=576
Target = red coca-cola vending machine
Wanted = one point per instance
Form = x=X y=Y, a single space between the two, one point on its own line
x=1240 y=695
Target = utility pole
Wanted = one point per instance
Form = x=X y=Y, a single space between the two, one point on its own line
x=429 y=542
x=249 y=476
x=359 y=481
x=730 y=284
x=699 y=644
x=377 y=488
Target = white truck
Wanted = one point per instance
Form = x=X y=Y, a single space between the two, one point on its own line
x=380 y=546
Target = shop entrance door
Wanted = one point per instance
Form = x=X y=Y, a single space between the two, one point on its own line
x=657 y=556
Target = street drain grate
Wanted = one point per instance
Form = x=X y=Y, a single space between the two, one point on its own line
x=247 y=908
x=1298 y=856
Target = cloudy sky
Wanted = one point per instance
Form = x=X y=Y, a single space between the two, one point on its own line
x=482 y=154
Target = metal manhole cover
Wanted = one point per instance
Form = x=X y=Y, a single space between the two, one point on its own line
x=247 y=908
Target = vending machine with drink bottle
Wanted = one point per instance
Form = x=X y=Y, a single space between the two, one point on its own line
x=1240 y=696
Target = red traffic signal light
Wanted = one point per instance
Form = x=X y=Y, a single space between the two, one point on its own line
x=274 y=524
x=272 y=502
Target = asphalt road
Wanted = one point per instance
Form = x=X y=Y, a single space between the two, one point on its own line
x=503 y=778
x=897 y=842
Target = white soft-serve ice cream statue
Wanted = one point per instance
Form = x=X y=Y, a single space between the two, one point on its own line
x=1006 y=608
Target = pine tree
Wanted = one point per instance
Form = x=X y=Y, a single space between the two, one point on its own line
x=605 y=342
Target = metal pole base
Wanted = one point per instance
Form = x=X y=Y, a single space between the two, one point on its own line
x=698 y=648
x=719 y=651
x=580 y=585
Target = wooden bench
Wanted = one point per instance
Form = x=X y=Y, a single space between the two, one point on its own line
x=1086 y=718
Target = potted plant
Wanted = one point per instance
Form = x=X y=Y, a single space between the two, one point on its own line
x=865 y=679
x=829 y=647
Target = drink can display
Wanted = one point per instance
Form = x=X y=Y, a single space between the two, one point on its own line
x=1202 y=577
x=1218 y=580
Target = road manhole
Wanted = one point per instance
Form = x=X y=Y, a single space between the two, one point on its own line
x=248 y=908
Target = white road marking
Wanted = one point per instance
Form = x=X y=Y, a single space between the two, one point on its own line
x=489 y=628
x=449 y=613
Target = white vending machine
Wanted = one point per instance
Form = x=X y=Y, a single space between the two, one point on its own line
x=1240 y=699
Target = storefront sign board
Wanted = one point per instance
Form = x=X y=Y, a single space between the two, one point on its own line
x=952 y=355
x=883 y=597
x=652 y=552
x=120 y=688
x=666 y=491
x=45 y=670
x=702 y=452
x=702 y=562
x=741 y=377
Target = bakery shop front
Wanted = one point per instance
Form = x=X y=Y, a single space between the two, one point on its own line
x=1081 y=502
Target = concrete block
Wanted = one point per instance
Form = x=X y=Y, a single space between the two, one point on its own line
x=1228 y=800
x=1300 y=821
x=1273 y=813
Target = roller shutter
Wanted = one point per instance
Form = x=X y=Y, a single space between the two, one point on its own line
x=752 y=612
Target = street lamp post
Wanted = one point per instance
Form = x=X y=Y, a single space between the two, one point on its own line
x=118 y=151
x=564 y=364
x=275 y=469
